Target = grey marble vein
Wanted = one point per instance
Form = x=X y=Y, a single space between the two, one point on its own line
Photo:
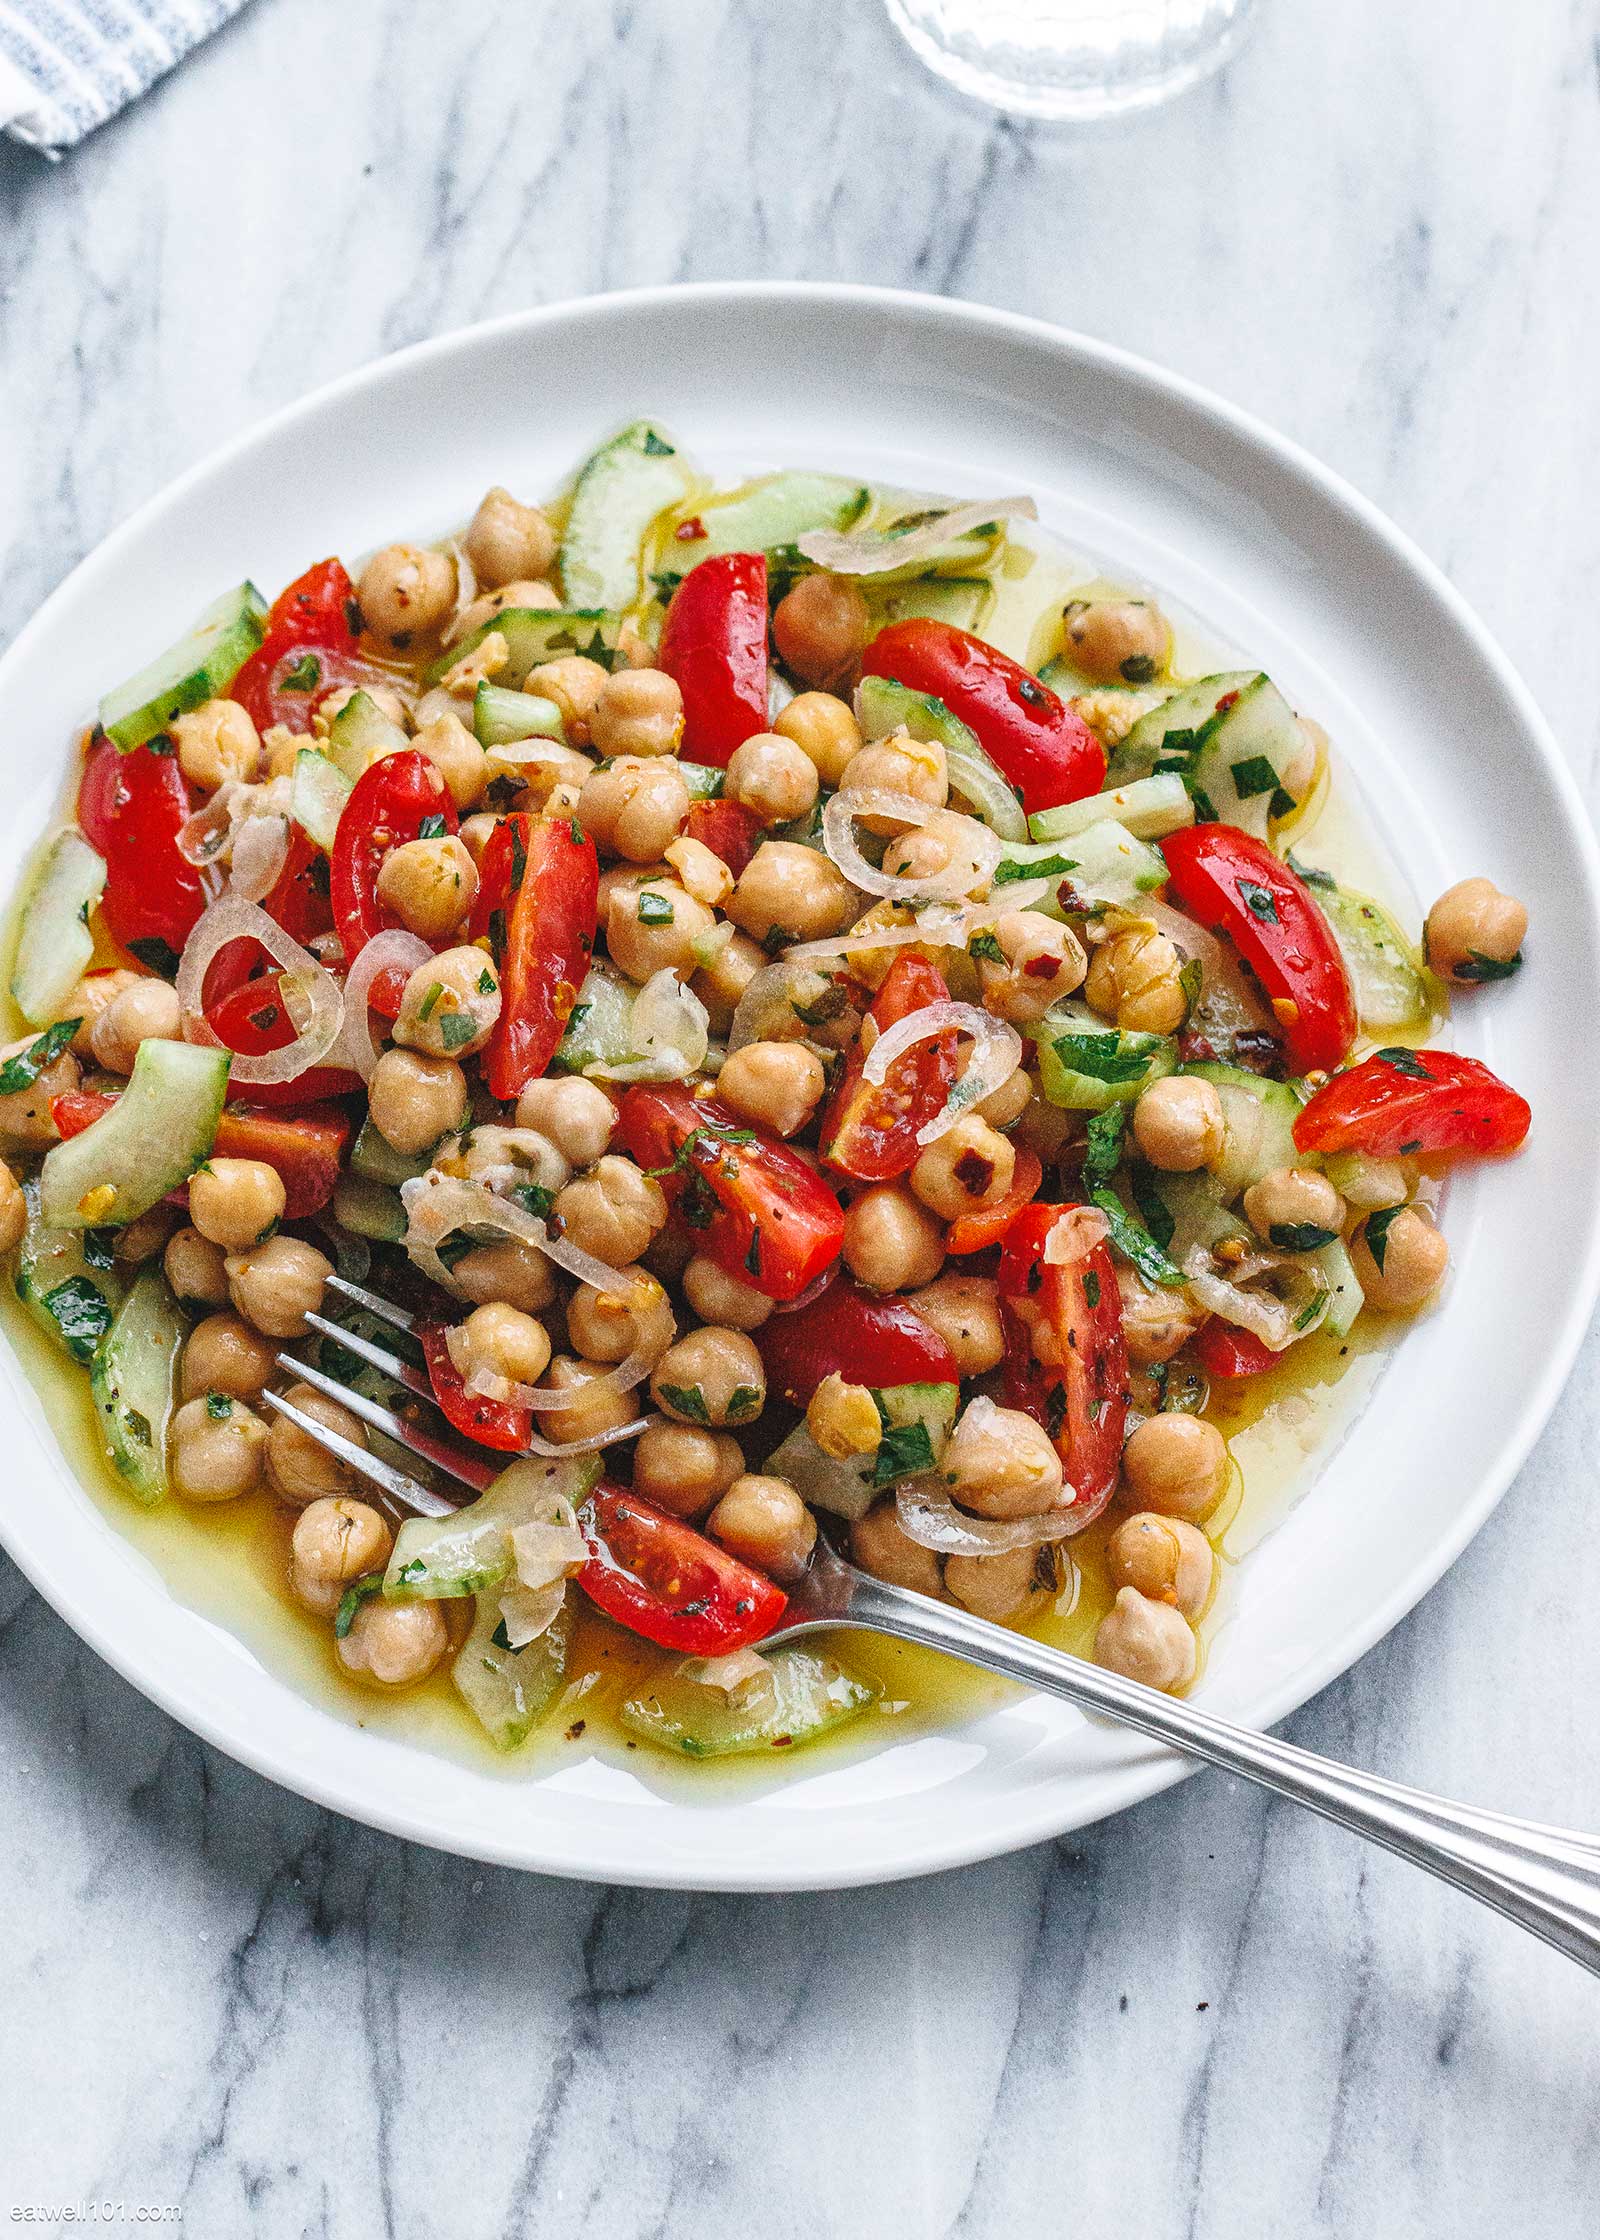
x=1210 y=2018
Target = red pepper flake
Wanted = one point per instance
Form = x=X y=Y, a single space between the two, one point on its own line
x=690 y=531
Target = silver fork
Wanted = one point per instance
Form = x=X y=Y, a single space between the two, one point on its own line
x=1547 y=1879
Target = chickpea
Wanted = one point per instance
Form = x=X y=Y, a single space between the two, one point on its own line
x=575 y=685
x=1178 y=1124
x=704 y=873
x=612 y=1211
x=1004 y=1107
x=406 y=593
x=13 y=1210
x=821 y=628
x=1013 y=1584
x=683 y=1469
x=280 y=750
x=429 y=885
x=476 y=833
x=194 y=1269
x=776 y=1085
x=764 y=1522
x=880 y=1547
x=457 y=757
x=553 y=784
x=1117 y=641
x=589 y=1404
x=216 y=742
x=717 y=1296
x=277 y=1284
x=1133 y=979
x=507 y=539
x=843 y=1419
x=654 y=928
x=721 y=983
x=225 y=1355
x=522 y=593
x=1473 y=926
x=891 y=1241
x=712 y=1376
x=970 y=1166
x=394 y=1644
x=451 y=1005
x=215 y=1449
x=791 y=893
x=1408 y=1264
x=1156 y=1323
x=1369 y=1185
x=142 y=1239
x=965 y=1312
x=333 y=704
x=1000 y=1463
x=1291 y=1200
x=1164 y=1558
x=236 y=1202
x=916 y=855
x=1041 y=962
x=1176 y=1465
x=413 y=1100
x=823 y=728
x=603 y=1323
x=1145 y=1640
x=25 y=1118
x=575 y=1115
x=634 y=807
x=147 y=1011
x=90 y=997
x=772 y=778
x=898 y=764
x=300 y=1467
x=509 y=1271
x=637 y=712
x=334 y=1542
x=504 y=1342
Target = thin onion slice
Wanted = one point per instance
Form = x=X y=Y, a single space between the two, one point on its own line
x=929 y=1516
x=395 y=947
x=974 y=851
x=744 y=1677
x=1075 y=1236
x=549 y=1546
x=996 y=1055
x=527 y=1612
x=938 y=926
x=873 y=552
x=1262 y=1313
x=260 y=851
x=204 y=837
x=978 y=782
x=231 y=918
x=669 y=1031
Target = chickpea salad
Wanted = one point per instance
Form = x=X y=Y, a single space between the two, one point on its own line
x=792 y=1060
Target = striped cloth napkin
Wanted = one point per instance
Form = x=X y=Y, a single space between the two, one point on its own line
x=67 y=65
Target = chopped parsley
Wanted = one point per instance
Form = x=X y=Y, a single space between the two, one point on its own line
x=1377 y=1233
x=1146 y=1195
x=1311 y=1313
x=1406 y=1062
x=410 y=1573
x=986 y=946
x=1258 y=900
x=1252 y=776
x=456 y=1029
x=1091 y=1286
x=431 y=827
x=303 y=676
x=699 y=1143
x=354 y=1596
x=1008 y=870
x=1480 y=967
x=487 y=983
x=99 y=1248
x=533 y=1198
x=1299 y=1236
x=1109 y=1057
x=745 y=1401
x=22 y=1071
x=654 y=909
x=1105 y=1143
x=654 y=448
x=218 y=1406
x=81 y=1312
x=686 y=1400
x=905 y=1450
x=1133 y=1240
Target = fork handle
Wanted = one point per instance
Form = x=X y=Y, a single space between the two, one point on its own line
x=1545 y=1878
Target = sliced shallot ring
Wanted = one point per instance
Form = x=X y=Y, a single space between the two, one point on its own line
x=394 y=947
x=929 y=1516
x=533 y=1444
x=204 y=837
x=260 y=851
x=231 y=918
x=546 y=1548
x=527 y=1612
x=973 y=856
x=873 y=552
x=934 y=931
x=1075 y=1236
x=1265 y=1316
x=996 y=1055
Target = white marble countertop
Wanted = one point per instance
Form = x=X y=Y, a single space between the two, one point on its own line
x=1209 y=2016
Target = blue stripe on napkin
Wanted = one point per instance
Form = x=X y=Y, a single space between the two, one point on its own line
x=74 y=63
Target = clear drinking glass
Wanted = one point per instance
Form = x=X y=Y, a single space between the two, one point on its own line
x=1071 y=60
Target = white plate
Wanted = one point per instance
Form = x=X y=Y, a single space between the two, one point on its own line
x=1442 y=739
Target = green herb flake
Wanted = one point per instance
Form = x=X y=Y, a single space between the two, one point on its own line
x=487 y=983
x=409 y=1573
x=1311 y=1313
x=654 y=909
x=218 y=1406
x=1133 y=1240
x=431 y=827
x=905 y=1451
x=1205 y=808
x=81 y=1312
x=1377 y=1233
x=746 y=1401
x=1109 y=1057
x=654 y=448
x=828 y=1005
x=354 y=1596
x=456 y=1029
x=1091 y=1286
x=430 y=1002
x=534 y=1198
x=499 y=1639
x=1153 y=1207
x=519 y=856
x=1009 y=870
x=686 y=1400
x=22 y=1071
x=99 y=1248
x=1299 y=1236
x=1311 y=875
x=1258 y=900
x=1192 y=980
x=1252 y=776
x=303 y=676
x=1402 y=1061
x=986 y=946
x=1105 y=1143
x=775 y=940
x=453 y=1249
x=1478 y=967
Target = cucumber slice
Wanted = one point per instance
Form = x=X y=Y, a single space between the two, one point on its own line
x=318 y=793
x=600 y=1030
x=962 y=600
x=704 y=783
x=884 y=705
x=1104 y=864
x=374 y=1159
x=1149 y=808
x=361 y=734
x=765 y=516
x=619 y=492
x=1195 y=1211
x=917 y=1423
x=1243 y=757
x=534 y=635
x=55 y=946
x=500 y=718
x=159 y=1130
x=67 y=1281
x=440 y=1557
x=1179 y=719
x=509 y=1691
x=369 y=1209
x=811 y=1696
x=1258 y=1121
x=1086 y=1064
x=1386 y=974
x=198 y=668
x=1345 y=1296
x=134 y=1380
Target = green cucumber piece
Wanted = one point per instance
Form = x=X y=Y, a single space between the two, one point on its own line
x=1346 y=1298
x=1232 y=758
x=534 y=635
x=1258 y=1119
x=962 y=600
x=704 y=783
x=1149 y=808
x=884 y=705
x=1386 y=974
x=360 y=735
x=500 y=718
x=369 y=1209
x=134 y=1381
x=1180 y=719
x=600 y=1030
x=55 y=946
x=199 y=667
x=766 y=516
x=509 y=1691
x=917 y=1419
x=66 y=1280
x=374 y=1159
x=811 y=1696
x=440 y=1557
x=318 y=793
x=149 y=1143
x=620 y=490
x=1196 y=1212
x=1104 y=864
x=1085 y=1064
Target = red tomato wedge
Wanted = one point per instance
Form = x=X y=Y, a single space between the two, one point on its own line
x=391 y=803
x=714 y=642
x=1234 y=884
x=872 y=1339
x=253 y=1019
x=752 y=1205
x=661 y=1578
x=975 y=1232
x=1084 y=1404
x=489 y=1423
x=728 y=829
x=1404 y=1101
x=307 y=648
x=1223 y=1351
x=1033 y=738
x=132 y=808
x=538 y=886
x=869 y=1130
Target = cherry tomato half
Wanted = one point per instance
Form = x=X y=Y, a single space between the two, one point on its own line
x=1084 y=1404
x=867 y=1337
x=659 y=1577
x=1401 y=1102
x=714 y=642
x=869 y=1130
x=489 y=1423
x=538 y=886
